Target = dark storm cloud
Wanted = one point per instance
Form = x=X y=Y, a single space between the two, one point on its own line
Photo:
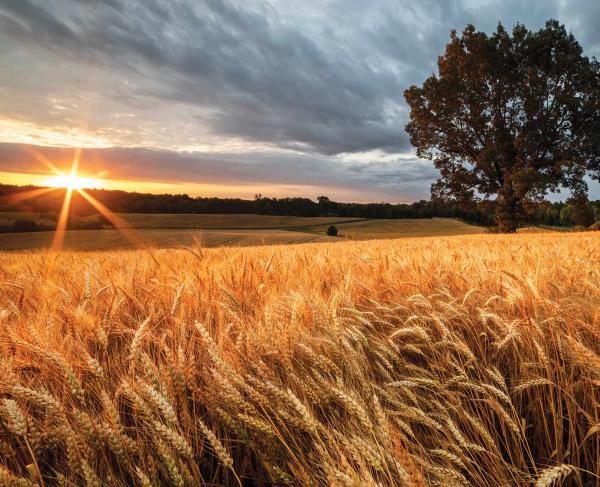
x=331 y=84
x=259 y=78
x=325 y=77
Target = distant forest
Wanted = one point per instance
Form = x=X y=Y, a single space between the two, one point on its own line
x=568 y=214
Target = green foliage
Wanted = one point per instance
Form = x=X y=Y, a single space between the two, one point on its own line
x=584 y=211
x=567 y=215
x=547 y=214
x=577 y=212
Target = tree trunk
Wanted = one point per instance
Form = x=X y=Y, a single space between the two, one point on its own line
x=508 y=210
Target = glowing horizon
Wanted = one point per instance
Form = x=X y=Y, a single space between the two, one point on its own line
x=72 y=181
x=244 y=191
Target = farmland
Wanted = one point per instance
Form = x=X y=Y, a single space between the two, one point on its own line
x=431 y=227
x=112 y=239
x=228 y=230
x=461 y=360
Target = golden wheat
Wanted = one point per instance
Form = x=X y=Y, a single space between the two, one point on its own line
x=452 y=361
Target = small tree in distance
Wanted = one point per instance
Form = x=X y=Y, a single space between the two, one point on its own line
x=332 y=231
x=509 y=118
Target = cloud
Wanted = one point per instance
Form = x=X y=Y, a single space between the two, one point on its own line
x=264 y=72
x=311 y=81
x=246 y=72
x=386 y=179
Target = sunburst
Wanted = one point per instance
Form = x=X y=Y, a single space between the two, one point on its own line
x=73 y=182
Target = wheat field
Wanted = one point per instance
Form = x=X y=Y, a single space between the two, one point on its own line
x=169 y=231
x=455 y=361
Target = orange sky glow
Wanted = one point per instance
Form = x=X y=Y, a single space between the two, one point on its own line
x=246 y=191
x=107 y=175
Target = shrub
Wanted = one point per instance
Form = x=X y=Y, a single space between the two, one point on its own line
x=25 y=226
x=594 y=226
x=332 y=231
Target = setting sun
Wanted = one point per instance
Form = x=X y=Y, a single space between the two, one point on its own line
x=72 y=181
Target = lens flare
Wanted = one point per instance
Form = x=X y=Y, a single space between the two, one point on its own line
x=72 y=182
x=63 y=219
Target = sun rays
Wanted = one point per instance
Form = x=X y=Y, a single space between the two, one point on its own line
x=129 y=233
x=73 y=183
x=61 y=225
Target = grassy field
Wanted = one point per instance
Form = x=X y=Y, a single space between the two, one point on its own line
x=225 y=222
x=193 y=221
x=231 y=230
x=448 y=361
x=374 y=229
x=112 y=239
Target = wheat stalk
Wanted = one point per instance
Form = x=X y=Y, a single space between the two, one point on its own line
x=554 y=475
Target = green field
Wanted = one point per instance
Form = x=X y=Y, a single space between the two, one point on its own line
x=230 y=230
x=226 y=222
x=426 y=227
x=113 y=239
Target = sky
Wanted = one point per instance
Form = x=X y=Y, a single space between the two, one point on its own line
x=235 y=98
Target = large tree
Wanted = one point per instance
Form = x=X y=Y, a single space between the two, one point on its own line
x=509 y=118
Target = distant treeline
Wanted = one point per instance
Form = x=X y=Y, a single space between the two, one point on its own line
x=45 y=222
x=545 y=213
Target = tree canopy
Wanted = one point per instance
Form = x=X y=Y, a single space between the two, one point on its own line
x=509 y=118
